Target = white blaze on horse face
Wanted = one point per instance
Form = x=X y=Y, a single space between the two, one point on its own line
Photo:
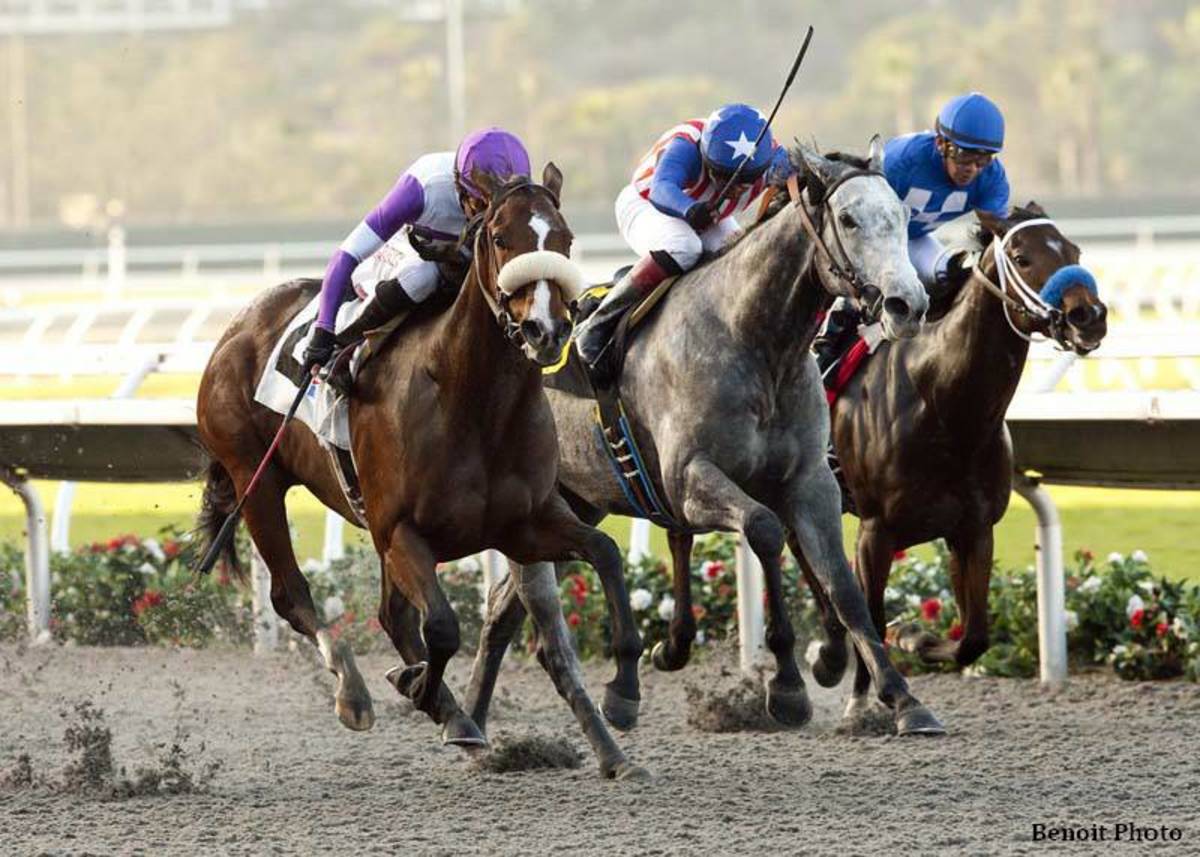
x=540 y=312
x=541 y=228
x=1055 y=245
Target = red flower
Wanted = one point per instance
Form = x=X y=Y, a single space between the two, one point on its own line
x=1086 y=555
x=931 y=608
x=115 y=544
x=714 y=569
x=130 y=540
x=899 y=555
x=956 y=631
x=170 y=548
x=149 y=598
x=698 y=611
x=1161 y=629
x=1136 y=618
x=574 y=619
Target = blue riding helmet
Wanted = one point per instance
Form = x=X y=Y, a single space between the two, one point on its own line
x=972 y=121
x=728 y=139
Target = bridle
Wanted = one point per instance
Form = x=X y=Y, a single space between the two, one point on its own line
x=1018 y=296
x=840 y=265
x=477 y=233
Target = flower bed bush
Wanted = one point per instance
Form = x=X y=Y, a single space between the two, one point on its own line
x=130 y=591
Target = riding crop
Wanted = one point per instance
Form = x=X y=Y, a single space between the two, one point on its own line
x=786 y=86
x=227 y=528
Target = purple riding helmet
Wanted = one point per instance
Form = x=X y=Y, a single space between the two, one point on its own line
x=492 y=150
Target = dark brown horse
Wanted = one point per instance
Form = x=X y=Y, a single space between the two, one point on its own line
x=457 y=452
x=921 y=437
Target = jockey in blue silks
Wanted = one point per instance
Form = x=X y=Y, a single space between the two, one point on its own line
x=940 y=175
x=669 y=213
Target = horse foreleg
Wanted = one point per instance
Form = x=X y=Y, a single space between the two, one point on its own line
x=874 y=550
x=676 y=651
x=713 y=500
x=505 y=613
x=970 y=575
x=266 y=518
x=833 y=655
x=816 y=519
x=410 y=564
x=556 y=533
x=537 y=588
x=402 y=622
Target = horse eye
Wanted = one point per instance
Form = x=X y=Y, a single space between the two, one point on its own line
x=846 y=220
x=499 y=242
x=1022 y=260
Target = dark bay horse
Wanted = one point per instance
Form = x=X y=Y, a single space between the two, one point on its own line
x=727 y=406
x=920 y=431
x=457 y=451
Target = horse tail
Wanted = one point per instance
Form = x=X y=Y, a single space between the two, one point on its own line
x=216 y=504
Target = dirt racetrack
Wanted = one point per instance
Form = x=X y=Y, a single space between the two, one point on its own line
x=289 y=779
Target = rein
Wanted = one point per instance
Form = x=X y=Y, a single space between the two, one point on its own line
x=843 y=270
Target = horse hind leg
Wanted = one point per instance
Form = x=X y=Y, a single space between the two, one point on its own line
x=505 y=614
x=675 y=652
x=713 y=500
x=266 y=518
x=537 y=587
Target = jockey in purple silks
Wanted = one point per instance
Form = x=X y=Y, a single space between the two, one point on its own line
x=434 y=199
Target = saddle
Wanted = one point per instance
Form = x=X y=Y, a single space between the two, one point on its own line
x=612 y=430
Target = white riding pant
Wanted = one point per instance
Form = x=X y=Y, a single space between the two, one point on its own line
x=929 y=257
x=646 y=229
x=396 y=260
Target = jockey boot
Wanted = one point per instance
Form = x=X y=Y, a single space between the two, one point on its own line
x=951 y=275
x=837 y=334
x=594 y=335
x=389 y=303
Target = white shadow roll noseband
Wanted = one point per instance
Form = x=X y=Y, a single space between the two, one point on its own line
x=541 y=265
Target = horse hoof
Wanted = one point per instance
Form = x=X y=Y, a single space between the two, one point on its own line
x=461 y=731
x=622 y=713
x=659 y=656
x=630 y=772
x=355 y=714
x=788 y=706
x=406 y=680
x=830 y=667
x=918 y=720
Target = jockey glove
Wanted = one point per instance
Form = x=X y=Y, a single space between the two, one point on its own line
x=700 y=216
x=320 y=348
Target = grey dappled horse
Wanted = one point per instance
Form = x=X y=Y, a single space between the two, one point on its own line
x=728 y=407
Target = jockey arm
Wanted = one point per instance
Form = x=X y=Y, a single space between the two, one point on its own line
x=402 y=205
x=678 y=167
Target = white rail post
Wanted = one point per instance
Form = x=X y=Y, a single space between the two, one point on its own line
x=266 y=623
x=60 y=530
x=750 y=609
x=639 y=540
x=335 y=542
x=1051 y=598
x=494 y=569
x=116 y=263
x=37 y=558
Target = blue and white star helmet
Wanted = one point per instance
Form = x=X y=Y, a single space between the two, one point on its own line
x=972 y=121
x=728 y=140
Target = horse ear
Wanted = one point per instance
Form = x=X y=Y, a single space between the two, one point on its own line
x=815 y=170
x=992 y=223
x=485 y=181
x=1035 y=209
x=552 y=178
x=875 y=153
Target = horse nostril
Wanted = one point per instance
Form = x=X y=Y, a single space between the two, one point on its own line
x=533 y=332
x=1079 y=316
x=897 y=308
